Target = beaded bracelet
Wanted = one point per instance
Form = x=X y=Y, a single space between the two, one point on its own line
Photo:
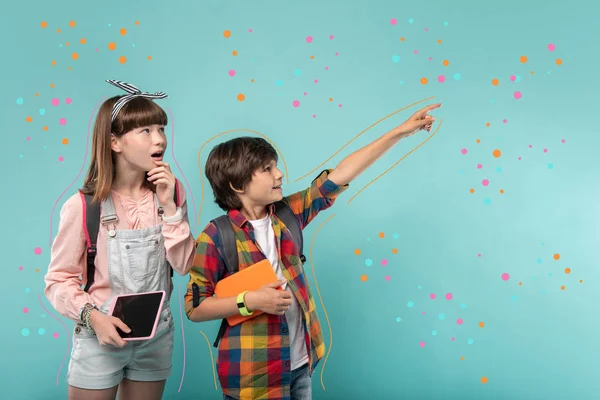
x=85 y=317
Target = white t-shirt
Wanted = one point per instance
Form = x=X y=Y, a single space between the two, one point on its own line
x=265 y=236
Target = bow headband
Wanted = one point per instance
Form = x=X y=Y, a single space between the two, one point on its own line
x=133 y=93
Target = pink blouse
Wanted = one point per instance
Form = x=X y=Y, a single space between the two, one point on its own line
x=68 y=266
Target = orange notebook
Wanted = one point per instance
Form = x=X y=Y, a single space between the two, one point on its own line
x=248 y=279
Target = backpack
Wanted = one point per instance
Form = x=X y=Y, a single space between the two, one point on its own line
x=91 y=225
x=229 y=248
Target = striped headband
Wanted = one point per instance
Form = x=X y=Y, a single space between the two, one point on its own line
x=133 y=93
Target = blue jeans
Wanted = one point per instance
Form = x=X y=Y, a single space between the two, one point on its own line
x=301 y=387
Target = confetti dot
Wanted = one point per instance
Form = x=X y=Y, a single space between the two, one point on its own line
x=25 y=332
x=556 y=256
x=28 y=119
x=434 y=333
x=72 y=24
x=448 y=296
x=56 y=335
x=122 y=59
x=410 y=304
x=387 y=278
x=432 y=296
x=241 y=97
x=463 y=306
x=395 y=235
x=410 y=20
x=424 y=81
x=357 y=252
x=112 y=46
x=464 y=151
x=123 y=31
x=441 y=79
x=481 y=324
x=74 y=56
x=296 y=103
x=441 y=316
x=61 y=159
x=363 y=278
x=231 y=72
x=37 y=251
x=485 y=182
x=479 y=166
x=484 y=380
x=55 y=102
x=396 y=59
x=558 y=61
x=20 y=101
x=27 y=290
x=25 y=310
x=368 y=262
x=457 y=76
x=44 y=24
x=42 y=111
x=65 y=141
x=395 y=251
x=472 y=190
x=45 y=128
x=416 y=52
x=501 y=191
x=393 y=21
x=496 y=153
x=459 y=321
x=62 y=121
x=518 y=95
x=297 y=72
x=384 y=262
x=470 y=341
x=505 y=276
x=330 y=37
x=41 y=331
x=422 y=344
x=309 y=39
x=495 y=82
x=68 y=100
x=523 y=59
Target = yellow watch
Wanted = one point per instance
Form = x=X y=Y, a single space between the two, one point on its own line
x=241 y=303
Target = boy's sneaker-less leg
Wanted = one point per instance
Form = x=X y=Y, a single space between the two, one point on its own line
x=301 y=387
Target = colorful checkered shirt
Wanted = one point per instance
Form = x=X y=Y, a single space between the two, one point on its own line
x=254 y=356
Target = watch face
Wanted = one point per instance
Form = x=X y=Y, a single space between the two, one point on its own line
x=240 y=305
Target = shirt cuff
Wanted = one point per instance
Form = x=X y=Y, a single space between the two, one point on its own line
x=178 y=216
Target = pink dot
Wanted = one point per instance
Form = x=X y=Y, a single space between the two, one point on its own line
x=423 y=313
x=37 y=251
x=459 y=321
x=518 y=95
x=21 y=268
x=316 y=81
x=479 y=166
x=432 y=296
x=232 y=72
x=56 y=335
x=314 y=115
x=250 y=30
x=485 y=182
x=513 y=78
x=305 y=93
x=96 y=49
x=309 y=39
x=416 y=51
x=430 y=58
x=441 y=78
x=505 y=276
x=62 y=121
x=326 y=68
x=61 y=159
x=452 y=339
x=330 y=37
x=393 y=21
x=530 y=146
x=448 y=296
x=25 y=310
x=479 y=255
x=519 y=158
x=551 y=47
x=464 y=151
x=55 y=102
x=426 y=29
x=28 y=137
x=384 y=262
x=296 y=103
x=340 y=105
x=68 y=100
x=545 y=150
x=562 y=141
x=505 y=120
x=337 y=54
x=422 y=344
x=387 y=278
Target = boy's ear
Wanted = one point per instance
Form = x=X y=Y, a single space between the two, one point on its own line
x=238 y=191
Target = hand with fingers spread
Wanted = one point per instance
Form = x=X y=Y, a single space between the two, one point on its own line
x=163 y=178
x=105 y=327
x=270 y=300
x=421 y=120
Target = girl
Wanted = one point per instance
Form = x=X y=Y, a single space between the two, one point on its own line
x=142 y=236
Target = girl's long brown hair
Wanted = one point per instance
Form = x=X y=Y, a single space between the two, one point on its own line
x=136 y=113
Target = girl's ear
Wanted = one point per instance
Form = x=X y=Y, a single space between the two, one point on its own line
x=115 y=144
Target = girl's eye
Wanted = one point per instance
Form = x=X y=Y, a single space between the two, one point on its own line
x=267 y=168
x=162 y=129
x=146 y=130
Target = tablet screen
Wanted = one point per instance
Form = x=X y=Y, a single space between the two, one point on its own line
x=138 y=312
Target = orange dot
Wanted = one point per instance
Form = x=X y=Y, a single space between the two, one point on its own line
x=82 y=41
x=122 y=59
x=462 y=358
x=424 y=81
x=312 y=57
x=472 y=190
x=72 y=24
x=37 y=95
x=363 y=278
x=44 y=24
x=74 y=56
x=52 y=85
x=381 y=234
x=112 y=46
x=330 y=99
x=495 y=82
x=395 y=251
x=558 y=61
x=487 y=124
x=252 y=80
x=520 y=283
x=497 y=153
x=557 y=256
x=234 y=53
x=446 y=63
x=45 y=128
x=562 y=288
x=532 y=72
x=123 y=31
x=241 y=97
x=581 y=281
x=501 y=191
x=440 y=41
x=149 y=58
x=357 y=252
x=65 y=141
x=69 y=68
x=484 y=380
x=478 y=141
x=567 y=270
x=523 y=59
x=402 y=39
x=67 y=44
x=28 y=119
x=53 y=62
x=481 y=324
x=58 y=30
x=227 y=33
x=137 y=22
x=37 y=270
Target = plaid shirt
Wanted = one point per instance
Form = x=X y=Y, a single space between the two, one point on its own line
x=254 y=356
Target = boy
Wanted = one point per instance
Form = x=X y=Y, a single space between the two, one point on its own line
x=272 y=355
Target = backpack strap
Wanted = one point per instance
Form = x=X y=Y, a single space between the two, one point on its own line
x=285 y=213
x=230 y=257
x=91 y=226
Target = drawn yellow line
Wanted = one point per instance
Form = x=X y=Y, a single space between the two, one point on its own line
x=357 y=136
x=212 y=360
x=397 y=162
x=224 y=133
x=321 y=298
